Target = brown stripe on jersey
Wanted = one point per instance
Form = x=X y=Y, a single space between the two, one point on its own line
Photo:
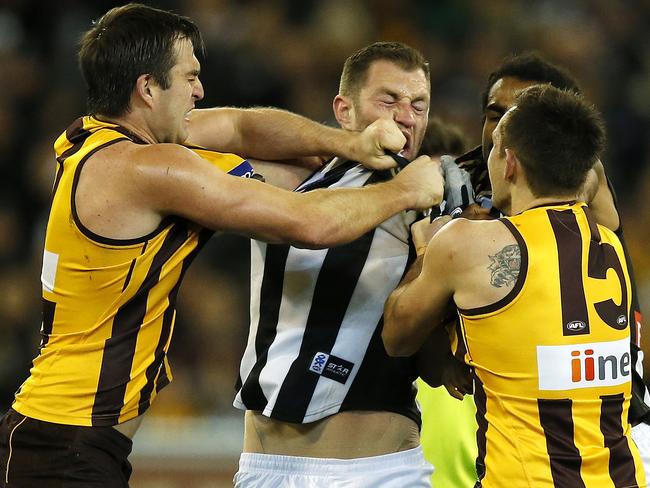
x=481 y=409
x=461 y=347
x=119 y=349
x=60 y=163
x=557 y=421
x=48 y=321
x=155 y=373
x=127 y=280
x=74 y=129
x=569 y=250
x=593 y=227
x=621 y=463
x=57 y=179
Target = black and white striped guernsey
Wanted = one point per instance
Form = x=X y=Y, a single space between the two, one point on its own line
x=314 y=346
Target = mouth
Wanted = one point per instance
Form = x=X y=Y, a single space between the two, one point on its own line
x=407 y=147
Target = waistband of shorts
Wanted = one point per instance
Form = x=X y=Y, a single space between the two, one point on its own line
x=254 y=462
x=108 y=437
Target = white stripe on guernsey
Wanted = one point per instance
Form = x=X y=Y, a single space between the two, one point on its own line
x=48 y=273
x=381 y=274
x=258 y=254
x=300 y=277
x=271 y=381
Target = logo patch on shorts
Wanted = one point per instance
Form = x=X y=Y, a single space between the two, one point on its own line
x=331 y=367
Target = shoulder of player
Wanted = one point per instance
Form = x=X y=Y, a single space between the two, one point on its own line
x=462 y=243
x=163 y=164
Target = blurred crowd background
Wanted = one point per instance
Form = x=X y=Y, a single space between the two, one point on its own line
x=288 y=53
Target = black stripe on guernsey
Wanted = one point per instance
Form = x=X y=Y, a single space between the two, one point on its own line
x=330 y=177
x=119 y=349
x=377 y=369
x=155 y=373
x=368 y=390
x=48 y=320
x=621 y=463
x=557 y=421
x=569 y=250
x=521 y=278
x=271 y=290
x=333 y=291
x=481 y=409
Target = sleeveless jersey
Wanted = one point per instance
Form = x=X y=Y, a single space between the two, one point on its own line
x=314 y=346
x=552 y=360
x=473 y=162
x=108 y=304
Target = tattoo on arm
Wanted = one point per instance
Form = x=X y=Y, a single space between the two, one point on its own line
x=505 y=266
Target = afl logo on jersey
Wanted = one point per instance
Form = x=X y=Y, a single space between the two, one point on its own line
x=621 y=320
x=576 y=325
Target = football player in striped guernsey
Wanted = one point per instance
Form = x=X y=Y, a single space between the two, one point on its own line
x=324 y=403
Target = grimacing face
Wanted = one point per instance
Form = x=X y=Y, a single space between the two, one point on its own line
x=175 y=103
x=501 y=98
x=390 y=91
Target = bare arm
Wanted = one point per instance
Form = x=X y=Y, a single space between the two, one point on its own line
x=598 y=196
x=419 y=304
x=281 y=175
x=274 y=134
x=191 y=188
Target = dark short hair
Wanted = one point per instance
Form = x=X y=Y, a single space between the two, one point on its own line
x=443 y=138
x=356 y=66
x=530 y=66
x=125 y=43
x=556 y=135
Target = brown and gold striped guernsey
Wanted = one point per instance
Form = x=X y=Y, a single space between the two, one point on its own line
x=108 y=305
x=552 y=360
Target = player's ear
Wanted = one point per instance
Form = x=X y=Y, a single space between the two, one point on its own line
x=512 y=166
x=344 y=111
x=143 y=89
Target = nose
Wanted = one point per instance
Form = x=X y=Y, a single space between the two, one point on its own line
x=198 y=92
x=404 y=114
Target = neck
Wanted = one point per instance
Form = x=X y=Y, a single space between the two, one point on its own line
x=522 y=205
x=132 y=124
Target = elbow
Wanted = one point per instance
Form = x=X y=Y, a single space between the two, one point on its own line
x=396 y=346
x=395 y=340
x=311 y=236
x=317 y=233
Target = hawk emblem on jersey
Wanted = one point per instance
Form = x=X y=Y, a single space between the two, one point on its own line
x=505 y=266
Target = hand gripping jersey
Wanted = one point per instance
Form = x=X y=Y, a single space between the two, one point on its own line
x=552 y=360
x=108 y=305
x=314 y=346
